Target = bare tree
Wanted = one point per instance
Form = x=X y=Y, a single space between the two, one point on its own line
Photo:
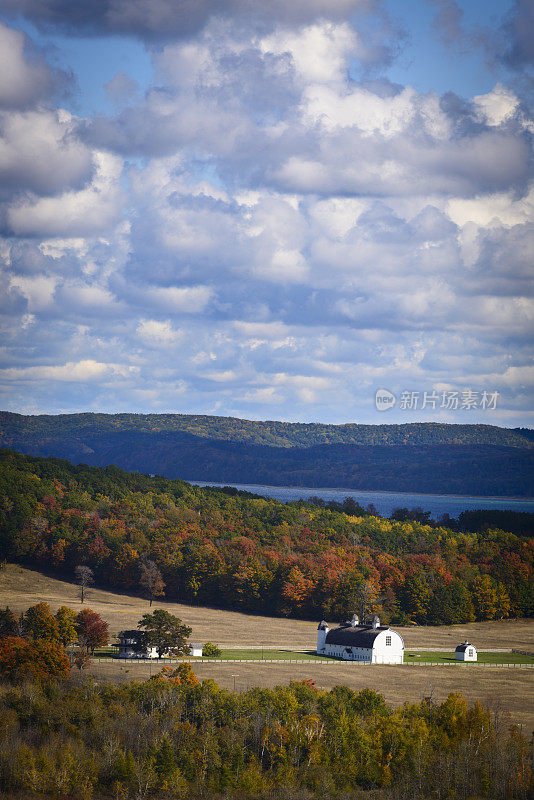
x=84 y=579
x=151 y=580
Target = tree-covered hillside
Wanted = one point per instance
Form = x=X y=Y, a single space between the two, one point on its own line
x=422 y=457
x=270 y=433
x=239 y=551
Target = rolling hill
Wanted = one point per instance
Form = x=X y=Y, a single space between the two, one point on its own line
x=415 y=457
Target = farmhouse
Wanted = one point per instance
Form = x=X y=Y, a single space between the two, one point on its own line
x=466 y=652
x=132 y=644
x=372 y=643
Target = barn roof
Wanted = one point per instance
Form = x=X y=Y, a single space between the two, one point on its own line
x=355 y=635
x=463 y=647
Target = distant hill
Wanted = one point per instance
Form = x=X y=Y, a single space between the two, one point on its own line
x=415 y=457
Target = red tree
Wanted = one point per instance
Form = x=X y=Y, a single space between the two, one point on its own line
x=92 y=630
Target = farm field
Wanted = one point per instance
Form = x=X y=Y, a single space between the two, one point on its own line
x=509 y=692
x=20 y=588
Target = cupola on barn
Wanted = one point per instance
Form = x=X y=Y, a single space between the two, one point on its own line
x=372 y=642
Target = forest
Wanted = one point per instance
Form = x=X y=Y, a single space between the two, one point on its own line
x=239 y=551
x=418 y=457
x=172 y=737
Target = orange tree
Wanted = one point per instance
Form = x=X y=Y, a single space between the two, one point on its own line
x=22 y=660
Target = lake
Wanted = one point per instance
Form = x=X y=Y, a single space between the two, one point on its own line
x=386 y=502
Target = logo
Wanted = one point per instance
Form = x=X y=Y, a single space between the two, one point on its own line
x=384 y=399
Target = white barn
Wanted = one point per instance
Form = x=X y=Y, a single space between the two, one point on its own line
x=373 y=643
x=466 y=652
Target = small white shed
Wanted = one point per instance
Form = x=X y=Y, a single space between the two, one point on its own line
x=195 y=649
x=466 y=652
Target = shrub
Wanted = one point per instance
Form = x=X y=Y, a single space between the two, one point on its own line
x=211 y=650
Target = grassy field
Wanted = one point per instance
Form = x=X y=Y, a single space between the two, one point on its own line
x=428 y=657
x=20 y=588
x=510 y=692
x=420 y=657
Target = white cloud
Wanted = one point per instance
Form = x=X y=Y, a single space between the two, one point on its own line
x=39 y=152
x=38 y=290
x=361 y=109
x=183 y=299
x=496 y=106
x=76 y=213
x=320 y=53
x=289 y=237
x=155 y=333
x=24 y=81
x=81 y=371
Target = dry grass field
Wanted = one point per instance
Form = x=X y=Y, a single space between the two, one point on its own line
x=509 y=690
x=20 y=588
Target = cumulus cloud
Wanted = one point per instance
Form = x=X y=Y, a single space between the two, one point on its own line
x=261 y=230
x=308 y=128
x=90 y=210
x=40 y=152
x=25 y=79
x=156 y=333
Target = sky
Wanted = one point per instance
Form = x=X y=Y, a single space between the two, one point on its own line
x=269 y=210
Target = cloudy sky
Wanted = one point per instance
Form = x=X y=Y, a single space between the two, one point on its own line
x=267 y=208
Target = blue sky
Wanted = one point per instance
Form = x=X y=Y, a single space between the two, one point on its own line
x=268 y=210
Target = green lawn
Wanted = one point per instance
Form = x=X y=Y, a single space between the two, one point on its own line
x=422 y=656
x=269 y=655
x=410 y=656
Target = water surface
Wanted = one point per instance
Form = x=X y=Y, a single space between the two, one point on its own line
x=386 y=502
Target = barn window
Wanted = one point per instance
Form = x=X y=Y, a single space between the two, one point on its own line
x=388 y=640
x=470 y=652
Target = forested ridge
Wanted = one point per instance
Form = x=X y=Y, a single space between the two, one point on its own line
x=270 y=432
x=239 y=551
x=415 y=457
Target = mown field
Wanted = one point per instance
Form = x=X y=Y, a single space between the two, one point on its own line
x=508 y=691
x=422 y=657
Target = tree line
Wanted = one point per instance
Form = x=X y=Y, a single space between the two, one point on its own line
x=40 y=645
x=232 y=549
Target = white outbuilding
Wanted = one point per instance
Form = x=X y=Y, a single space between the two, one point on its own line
x=371 y=643
x=466 y=652
x=195 y=649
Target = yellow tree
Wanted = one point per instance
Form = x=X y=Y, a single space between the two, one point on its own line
x=66 y=625
x=39 y=623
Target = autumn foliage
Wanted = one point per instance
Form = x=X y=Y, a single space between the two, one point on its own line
x=173 y=737
x=92 y=630
x=235 y=550
x=23 y=660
